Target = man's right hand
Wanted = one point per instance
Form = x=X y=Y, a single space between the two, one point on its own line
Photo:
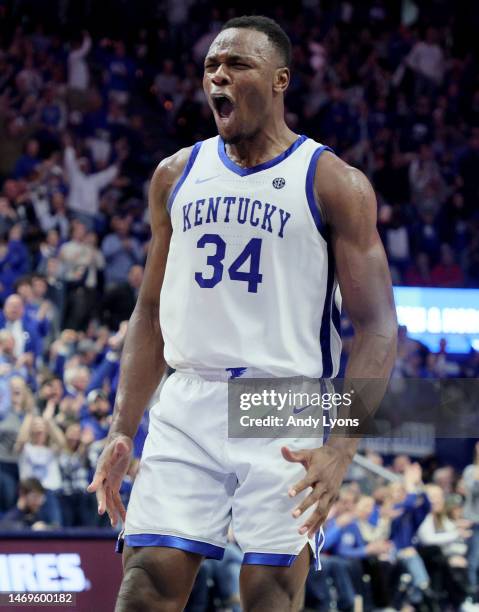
x=111 y=468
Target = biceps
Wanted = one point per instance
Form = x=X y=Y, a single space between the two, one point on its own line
x=365 y=283
x=155 y=267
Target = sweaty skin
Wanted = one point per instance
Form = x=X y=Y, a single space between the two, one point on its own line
x=245 y=69
x=348 y=207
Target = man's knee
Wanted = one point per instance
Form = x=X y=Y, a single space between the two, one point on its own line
x=269 y=588
x=137 y=593
x=156 y=579
x=272 y=596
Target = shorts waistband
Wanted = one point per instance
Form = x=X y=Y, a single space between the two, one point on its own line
x=226 y=374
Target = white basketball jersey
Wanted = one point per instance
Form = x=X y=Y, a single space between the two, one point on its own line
x=250 y=279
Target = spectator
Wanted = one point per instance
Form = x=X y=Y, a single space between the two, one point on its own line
x=39 y=444
x=438 y=531
x=78 y=72
x=98 y=419
x=31 y=509
x=120 y=300
x=27 y=163
x=78 y=508
x=426 y=183
x=121 y=251
x=56 y=221
x=427 y=61
x=23 y=328
x=8 y=217
x=76 y=379
x=444 y=366
x=471 y=513
x=409 y=507
x=85 y=186
x=81 y=264
x=120 y=72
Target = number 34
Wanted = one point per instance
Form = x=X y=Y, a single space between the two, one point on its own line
x=252 y=251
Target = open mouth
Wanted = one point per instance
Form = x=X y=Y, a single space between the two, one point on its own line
x=223 y=105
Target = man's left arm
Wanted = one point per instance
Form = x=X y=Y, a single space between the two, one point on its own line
x=349 y=212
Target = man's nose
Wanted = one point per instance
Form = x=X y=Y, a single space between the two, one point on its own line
x=221 y=76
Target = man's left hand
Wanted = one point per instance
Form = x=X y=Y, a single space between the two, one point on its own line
x=325 y=469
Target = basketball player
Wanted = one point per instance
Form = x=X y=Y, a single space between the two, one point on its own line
x=252 y=231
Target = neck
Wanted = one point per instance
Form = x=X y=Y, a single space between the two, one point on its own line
x=261 y=147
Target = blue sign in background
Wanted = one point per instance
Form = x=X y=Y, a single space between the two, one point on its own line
x=431 y=314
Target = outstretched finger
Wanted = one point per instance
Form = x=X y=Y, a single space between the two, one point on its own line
x=111 y=507
x=301 y=485
x=119 y=506
x=97 y=481
x=101 y=499
x=312 y=524
x=307 y=502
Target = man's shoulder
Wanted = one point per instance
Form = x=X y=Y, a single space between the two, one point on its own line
x=169 y=171
x=172 y=167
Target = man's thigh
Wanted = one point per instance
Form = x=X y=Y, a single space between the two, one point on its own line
x=264 y=588
x=157 y=579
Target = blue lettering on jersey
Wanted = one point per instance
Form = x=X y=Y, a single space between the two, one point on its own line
x=267 y=216
x=212 y=209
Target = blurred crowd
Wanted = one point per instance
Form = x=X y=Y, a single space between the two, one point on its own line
x=406 y=542
x=92 y=97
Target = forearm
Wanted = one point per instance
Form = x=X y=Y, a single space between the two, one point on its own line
x=142 y=366
x=57 y=434
x=368 y=370
x=23 y=433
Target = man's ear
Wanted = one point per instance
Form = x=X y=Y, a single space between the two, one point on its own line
x=281 y=80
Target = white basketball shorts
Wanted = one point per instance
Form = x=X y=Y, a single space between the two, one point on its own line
x=194 y=481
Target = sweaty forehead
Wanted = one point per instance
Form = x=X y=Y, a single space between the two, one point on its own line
x=244 y=43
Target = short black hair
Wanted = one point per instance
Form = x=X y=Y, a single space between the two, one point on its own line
x=270 y=27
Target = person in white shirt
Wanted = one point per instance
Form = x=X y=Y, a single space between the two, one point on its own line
x=439 y=531
x=39 y=444
x=78 y=72
x=85 y=187
x=82 y=261
x=427 y=60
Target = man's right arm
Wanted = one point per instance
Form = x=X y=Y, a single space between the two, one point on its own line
x=142 y=362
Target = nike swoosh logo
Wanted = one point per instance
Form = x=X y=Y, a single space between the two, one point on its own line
x=298 y=410
x=210 y=178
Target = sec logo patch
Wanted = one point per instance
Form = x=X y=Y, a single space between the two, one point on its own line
x=279 y=183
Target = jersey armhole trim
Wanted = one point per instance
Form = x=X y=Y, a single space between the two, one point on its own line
x=312 y=203
x=184 y=174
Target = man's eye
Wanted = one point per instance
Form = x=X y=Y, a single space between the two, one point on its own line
x=240 y=65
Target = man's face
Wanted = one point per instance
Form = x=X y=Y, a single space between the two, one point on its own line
x=99 y=408
x=13 y=308
x=240 y=69
x=34 y=501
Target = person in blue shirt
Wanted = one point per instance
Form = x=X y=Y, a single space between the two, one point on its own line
x=31 y=509
x=27 y=163
x=410 y=506
x=98 y=418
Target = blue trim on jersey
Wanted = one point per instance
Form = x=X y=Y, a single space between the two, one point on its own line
x=229 y=163
x=253 y=558
x=319 y=539
x=195 y=546
x=325 y=332
x=313 y=206
x=336 y=317
x=184 y=174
